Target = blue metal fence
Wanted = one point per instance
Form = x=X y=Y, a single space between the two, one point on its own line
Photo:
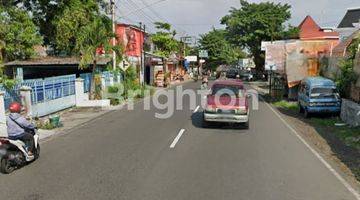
x=11 y=95
x=51 y=88
x=42 y=89
x=107 y=75
x=88 y=78
x=87 y=81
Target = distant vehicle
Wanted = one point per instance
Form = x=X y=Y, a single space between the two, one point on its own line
x=259 y=76
x=232 y=73
x=227 y=103
x=318 y=95
x=247 y=76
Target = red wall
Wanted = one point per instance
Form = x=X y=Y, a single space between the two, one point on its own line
x=131 y=38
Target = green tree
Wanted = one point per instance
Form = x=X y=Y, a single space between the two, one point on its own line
x=219 y=49
x=82 y=31
x=18 y=34
x=253 y=23
x=163 y=26
x=164 y=40
x=96 y=34
x=44 y=13
x=74 y=17
x=347 y=74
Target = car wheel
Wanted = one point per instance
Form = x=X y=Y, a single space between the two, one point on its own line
x=6 y=167
x=204 y=123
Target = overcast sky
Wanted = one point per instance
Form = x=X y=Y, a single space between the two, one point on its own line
x=194 y=17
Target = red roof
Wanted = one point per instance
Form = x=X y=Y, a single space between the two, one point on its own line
x=310 y=30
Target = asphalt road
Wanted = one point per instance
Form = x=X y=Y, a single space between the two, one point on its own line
x=127 y=155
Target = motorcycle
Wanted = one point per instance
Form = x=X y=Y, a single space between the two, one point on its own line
x=14 y=155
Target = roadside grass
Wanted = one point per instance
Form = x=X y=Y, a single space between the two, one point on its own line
x=350 y=136
x=287 y=105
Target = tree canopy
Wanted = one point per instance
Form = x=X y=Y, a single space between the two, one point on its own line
x=18 y=34
x=253 y=23
x=164 y=39
x=45 y=12
x=74 y=17
x=220 y=50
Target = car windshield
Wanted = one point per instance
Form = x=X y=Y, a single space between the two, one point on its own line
x=323 y=92
x=228 y=90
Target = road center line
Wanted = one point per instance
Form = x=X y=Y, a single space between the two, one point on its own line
x=177 y=138
x=196 y=109
x=317 y=155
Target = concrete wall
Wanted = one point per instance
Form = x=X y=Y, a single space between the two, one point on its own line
x=350 y=112
x=49 y=107
x=331 y=70
x=3 y=128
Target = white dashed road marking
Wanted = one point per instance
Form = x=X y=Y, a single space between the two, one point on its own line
x=173 y=144
x=196 y=109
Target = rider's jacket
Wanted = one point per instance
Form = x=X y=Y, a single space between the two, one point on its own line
x=16 y=124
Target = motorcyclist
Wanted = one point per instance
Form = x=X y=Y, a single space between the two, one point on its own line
x=205 y=80
x=19 y=128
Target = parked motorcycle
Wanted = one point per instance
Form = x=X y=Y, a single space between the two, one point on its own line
x=13 y=154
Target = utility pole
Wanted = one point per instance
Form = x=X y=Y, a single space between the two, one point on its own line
x=112 y=3
x=271 y=67
x=143 y=29
x=144 y=52
x=142 y=60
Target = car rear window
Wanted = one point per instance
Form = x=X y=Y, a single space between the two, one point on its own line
x=228 y=90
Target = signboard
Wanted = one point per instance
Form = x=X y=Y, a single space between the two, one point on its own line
x=124 y=65
x=187 y=40
x=270 y=66
x=203 y=54
x=191 y=58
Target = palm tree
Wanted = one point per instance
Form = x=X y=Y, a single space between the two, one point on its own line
x=97 y=34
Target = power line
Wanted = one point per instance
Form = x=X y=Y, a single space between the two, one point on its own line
x=142 y=8
x=136 y=7
x=141 y=13
x=145 y=18
x=159 y=16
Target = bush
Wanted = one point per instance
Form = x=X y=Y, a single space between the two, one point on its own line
x=348 y=76
x=45 y=125
x=113 y=89
x=114 y=102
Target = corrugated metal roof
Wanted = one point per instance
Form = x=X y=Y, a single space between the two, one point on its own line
x=351 y=16
x=54 y=61
x=340 y=49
